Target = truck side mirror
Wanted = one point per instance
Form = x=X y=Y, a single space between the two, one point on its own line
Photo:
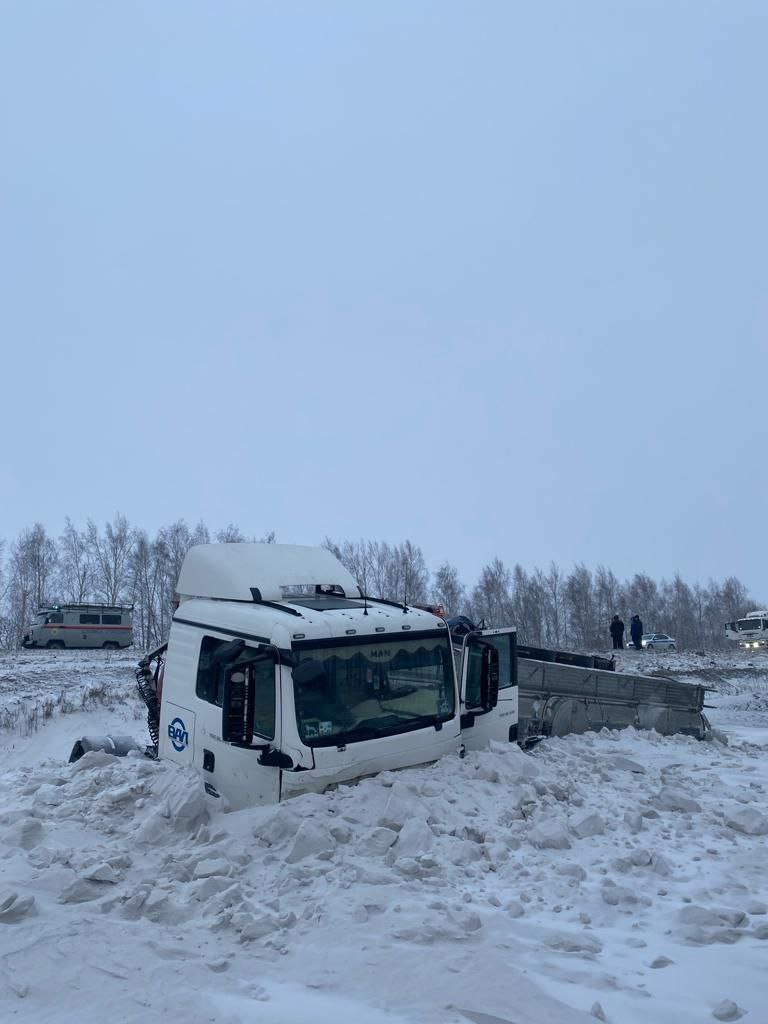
x=489 y=678
x=237 y=705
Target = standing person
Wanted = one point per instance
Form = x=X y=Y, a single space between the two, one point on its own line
x=616 y=630
x=636 y=631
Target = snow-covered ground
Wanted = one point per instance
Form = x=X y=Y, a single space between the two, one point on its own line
x=616 y=876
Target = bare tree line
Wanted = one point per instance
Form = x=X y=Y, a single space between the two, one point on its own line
x=122 y=564
x=119 y=564
x=551 y=608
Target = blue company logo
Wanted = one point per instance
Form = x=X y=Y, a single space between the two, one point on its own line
x=178 y=735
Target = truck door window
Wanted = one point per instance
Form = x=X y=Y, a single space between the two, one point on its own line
x=264 y=692
x=503 y=644
x=210 y=682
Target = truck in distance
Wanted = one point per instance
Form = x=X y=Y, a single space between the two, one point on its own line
x=751 y=632
x=82 y=626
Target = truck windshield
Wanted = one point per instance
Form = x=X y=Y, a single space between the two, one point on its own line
x=361 y=688
x=750 y=624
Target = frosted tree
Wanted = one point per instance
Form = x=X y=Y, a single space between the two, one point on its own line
x=231 y=534
x=491 y=595
x=555 y=611
x=736 y=602
x=31 y=573
x=412 y=576
x=353 y=555
x=151 y=608
x=110 y=555
x=74 y=565
x=582 y=609
x=642 y=597
x=448 y=591
x=608 y=598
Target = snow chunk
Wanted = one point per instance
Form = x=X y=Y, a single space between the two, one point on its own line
x=640 y=858
x=572 y=871
x=378 y=841
x=727 y=1010
x=101 y=873
x=211 y=866
x=551 y=835
x=614 y=895
x=586 y=824
x=567 y=942
x=279 y=826
x=309 y=841
x=26 y=833
x=254 y=926
x=13 y=907
x=660 y=865
x=625 y=764
x=714 y=918
x=748 y=821
x=661 y=961
x=670 y=799
x=92 y=759
x=82 y=890
x=633 y=820
x=415 y=838
x=401 y=806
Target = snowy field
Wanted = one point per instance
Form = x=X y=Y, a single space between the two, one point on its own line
x=613 y=876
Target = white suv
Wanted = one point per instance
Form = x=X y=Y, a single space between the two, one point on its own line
x=658 y=641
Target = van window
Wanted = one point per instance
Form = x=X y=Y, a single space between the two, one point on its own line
x=54 y=618
x=210 y=684
x=89 y=620
x=111 y=620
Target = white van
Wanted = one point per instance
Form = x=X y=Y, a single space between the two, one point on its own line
x=81 y=625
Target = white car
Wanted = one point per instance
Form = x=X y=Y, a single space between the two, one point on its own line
x=658 y=641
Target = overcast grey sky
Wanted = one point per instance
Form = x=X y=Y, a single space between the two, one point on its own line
x=489 y=276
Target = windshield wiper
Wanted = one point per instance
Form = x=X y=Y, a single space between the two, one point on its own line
x=362 y=732
x=395 y=723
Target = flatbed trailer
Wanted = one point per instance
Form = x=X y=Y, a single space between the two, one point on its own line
x=556 y=698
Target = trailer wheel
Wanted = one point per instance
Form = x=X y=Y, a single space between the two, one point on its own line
x=55 y=645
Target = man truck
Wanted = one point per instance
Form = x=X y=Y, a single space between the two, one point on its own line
x=280 y=676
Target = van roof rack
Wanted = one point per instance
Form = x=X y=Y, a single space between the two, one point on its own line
x=83 y=605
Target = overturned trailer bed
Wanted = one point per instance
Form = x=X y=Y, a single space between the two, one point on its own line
x=557 y=697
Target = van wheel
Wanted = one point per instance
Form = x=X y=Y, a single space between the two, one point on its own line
x=55 y=645
x=110 y=645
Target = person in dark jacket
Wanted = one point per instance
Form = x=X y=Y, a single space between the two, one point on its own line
x=636 y=631
x=617 y=633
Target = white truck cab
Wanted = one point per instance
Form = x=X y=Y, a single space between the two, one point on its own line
x=281 y=677
x=751 y=632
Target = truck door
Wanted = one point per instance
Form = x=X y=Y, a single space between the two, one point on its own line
x=237 y=725
x=489 y=687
